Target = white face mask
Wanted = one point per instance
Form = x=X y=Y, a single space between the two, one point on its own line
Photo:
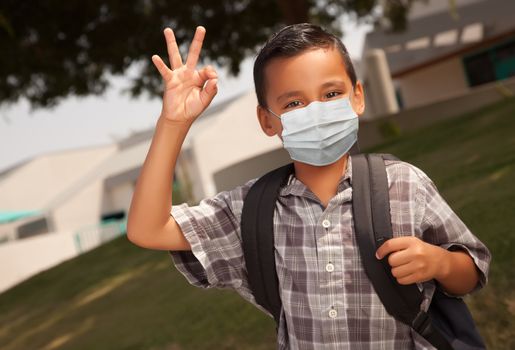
x=320 y=133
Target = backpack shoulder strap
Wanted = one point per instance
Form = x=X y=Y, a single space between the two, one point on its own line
x=372 y=222
x=257 y=231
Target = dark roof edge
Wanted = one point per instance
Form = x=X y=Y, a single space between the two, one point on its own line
x=463 y=50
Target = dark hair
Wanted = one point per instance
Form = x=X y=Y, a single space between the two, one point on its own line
x=293 y=40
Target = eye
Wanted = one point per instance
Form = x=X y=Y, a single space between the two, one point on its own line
x=292 y=104
x=332 y=94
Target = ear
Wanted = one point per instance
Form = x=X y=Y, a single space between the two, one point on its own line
x=264 y=121
x=358 y=98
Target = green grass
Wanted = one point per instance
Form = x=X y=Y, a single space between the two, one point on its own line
x=119 y=296
x=471 y=159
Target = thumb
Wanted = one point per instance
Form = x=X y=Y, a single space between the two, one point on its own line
x=208 y=92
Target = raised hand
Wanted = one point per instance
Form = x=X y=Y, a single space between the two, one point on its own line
x=187 y=91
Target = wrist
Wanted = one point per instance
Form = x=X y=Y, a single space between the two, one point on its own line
x=444 y=265
x=166 y=122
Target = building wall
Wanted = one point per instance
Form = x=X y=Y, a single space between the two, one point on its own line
x=118 y=198
x=234 y=136
x=407 y=120
x=81 y=209
x=188 y=171
x=22 y=259
x=434 y=83
x=37 y=183
x=237 y=174
x=426 y=8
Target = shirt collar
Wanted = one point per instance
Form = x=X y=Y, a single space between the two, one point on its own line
x=295 y=187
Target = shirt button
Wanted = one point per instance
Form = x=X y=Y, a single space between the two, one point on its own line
x=333 y=313
x=326 y=223
x=329 y=267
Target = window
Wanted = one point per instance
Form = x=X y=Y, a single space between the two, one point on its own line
x=495 y=63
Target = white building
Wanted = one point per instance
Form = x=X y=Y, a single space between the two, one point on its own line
x=74 y=189
x=58 y=205
x=446 y=53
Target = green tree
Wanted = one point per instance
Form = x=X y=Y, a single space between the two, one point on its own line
x=51 y=49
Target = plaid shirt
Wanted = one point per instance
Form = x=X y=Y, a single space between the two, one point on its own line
x=327 y=300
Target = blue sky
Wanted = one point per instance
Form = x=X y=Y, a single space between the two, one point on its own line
x=82 y=122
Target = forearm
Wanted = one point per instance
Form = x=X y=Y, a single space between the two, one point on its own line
x=458 y=274
x=152 y=198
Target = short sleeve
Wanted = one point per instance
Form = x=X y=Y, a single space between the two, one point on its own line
x=442 y=226
x=213 y=230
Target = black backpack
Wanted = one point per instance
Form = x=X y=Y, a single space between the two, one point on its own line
x=448 y=323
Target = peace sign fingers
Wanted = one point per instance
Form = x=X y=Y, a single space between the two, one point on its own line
x=161 y=67
x=195 y=47
x=187 y=91
x=173 y=50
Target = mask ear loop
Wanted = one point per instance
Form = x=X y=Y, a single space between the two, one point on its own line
x=268 y=109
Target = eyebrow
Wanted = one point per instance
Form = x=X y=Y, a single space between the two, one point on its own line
x=338 y=83
x=289 y=94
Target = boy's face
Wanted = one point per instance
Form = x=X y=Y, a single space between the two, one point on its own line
x=294 y=82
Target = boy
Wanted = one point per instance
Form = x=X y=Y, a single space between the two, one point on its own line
x=308 y=95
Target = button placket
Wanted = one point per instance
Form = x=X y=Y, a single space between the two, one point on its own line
x=329 y=267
